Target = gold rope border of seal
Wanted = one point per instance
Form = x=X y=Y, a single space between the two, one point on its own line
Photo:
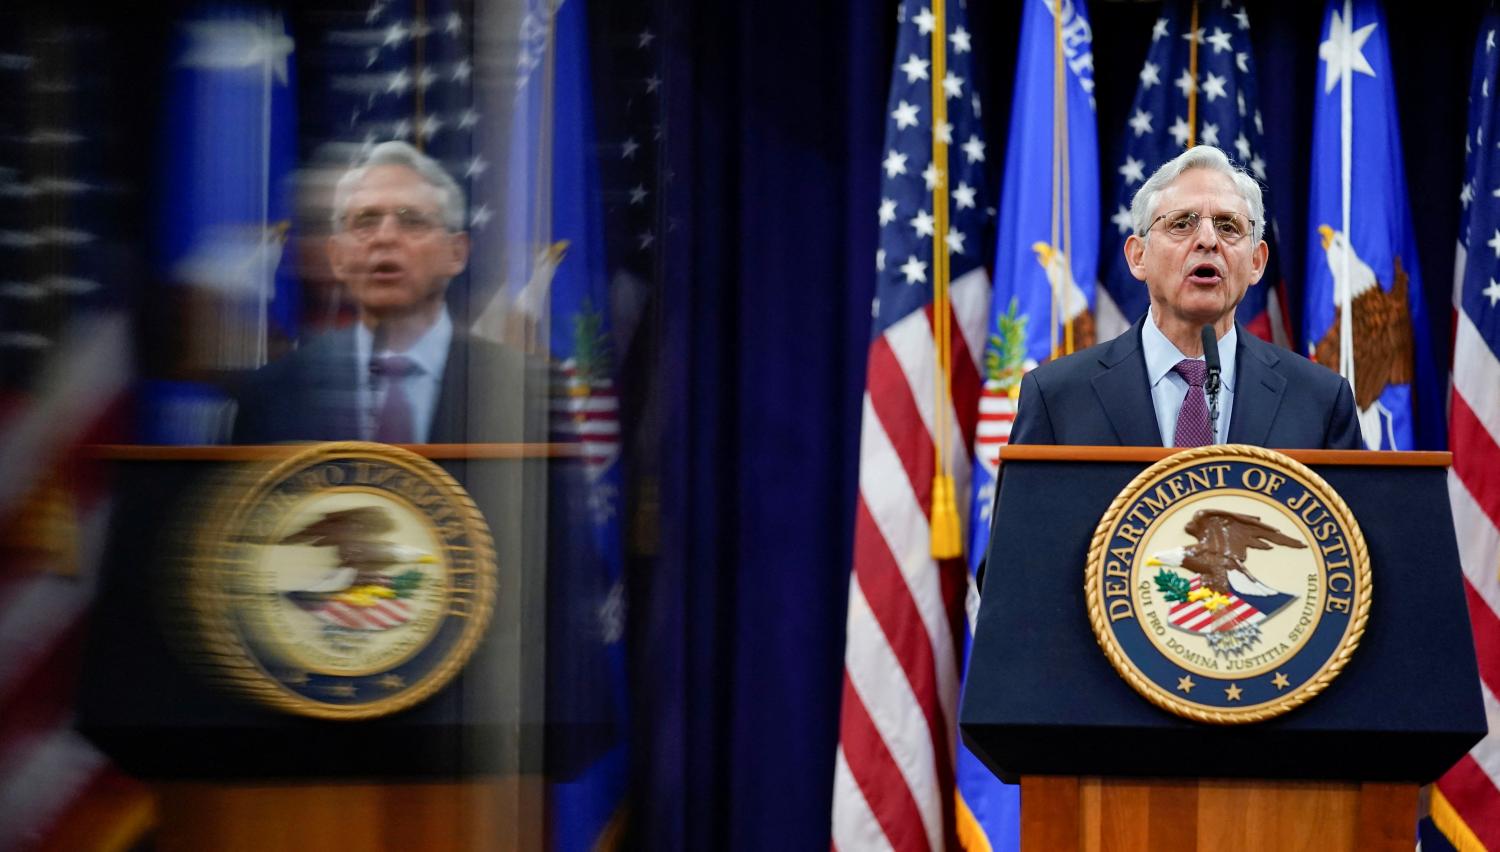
x=1164 y=699
x=228 y=663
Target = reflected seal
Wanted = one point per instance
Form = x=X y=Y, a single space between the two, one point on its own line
x=348 y=581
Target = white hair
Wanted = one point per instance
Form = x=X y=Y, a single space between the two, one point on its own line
x=1199 y=157
x=401 y=154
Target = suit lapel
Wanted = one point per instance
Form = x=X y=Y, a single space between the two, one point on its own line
x=1124 y=391
x=448 y=421
x=334 y=386
x=1258 y=393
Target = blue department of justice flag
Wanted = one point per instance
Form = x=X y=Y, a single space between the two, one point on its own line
x=1047 y=253
x=1173 y=109
x=1047 y=237
x=228 y=147
x=586 y=584
x=1362 y=251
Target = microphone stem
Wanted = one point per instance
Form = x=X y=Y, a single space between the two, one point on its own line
x=1212 y=386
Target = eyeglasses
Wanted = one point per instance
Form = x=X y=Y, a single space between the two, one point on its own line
x=363 y=224
x=1181 y=224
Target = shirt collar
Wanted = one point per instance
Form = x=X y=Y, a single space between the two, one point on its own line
x=1162 y=354
x=430 y=352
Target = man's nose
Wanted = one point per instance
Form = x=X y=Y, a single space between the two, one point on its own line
x=1212 y=238
x=387 y=229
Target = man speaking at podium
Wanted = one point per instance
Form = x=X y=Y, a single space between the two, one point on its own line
x=403 y=373
x=1197 y=245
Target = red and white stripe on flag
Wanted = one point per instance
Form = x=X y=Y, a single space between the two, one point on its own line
x=893 y=782
x=1470 y=791
x=56 y=789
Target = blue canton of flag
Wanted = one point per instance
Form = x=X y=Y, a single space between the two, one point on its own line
x=403 y=70
x=1362 y=252
x=903 y=261
x=1225 y=106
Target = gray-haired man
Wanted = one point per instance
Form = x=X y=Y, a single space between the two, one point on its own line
x=402 y=372
x=1197 y=247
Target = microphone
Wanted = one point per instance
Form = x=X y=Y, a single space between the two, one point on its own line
x=1211 y=385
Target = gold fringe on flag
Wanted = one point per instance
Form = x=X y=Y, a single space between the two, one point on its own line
x=946 y=532
x=1451 y=824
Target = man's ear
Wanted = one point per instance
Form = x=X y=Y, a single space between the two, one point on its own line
x=459 y=253
x=338 y=258
x=1135 y=256
x=1258 y=261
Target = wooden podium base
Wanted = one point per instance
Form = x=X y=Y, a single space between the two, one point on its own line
x=499 y=814
x=1176 y=815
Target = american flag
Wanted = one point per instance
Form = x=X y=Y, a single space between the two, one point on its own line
x=1465 y=803
x=586 y=409
x=403 y=69
x=894 y=769
x=375 y=616
x=1175 y=108
x=64 y=368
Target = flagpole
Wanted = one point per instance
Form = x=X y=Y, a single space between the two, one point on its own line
x=1058 y=308
x=1346 y=157
x=946 y=538
x=1062 y=242
x=541 y=230
x=267 y=287
x=1192 y=92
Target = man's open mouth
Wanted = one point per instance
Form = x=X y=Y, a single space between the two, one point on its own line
x=1205 y=273
x=385 y=269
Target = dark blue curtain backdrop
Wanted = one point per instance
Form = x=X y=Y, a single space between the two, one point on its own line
x=774 y=116
x=773 y=119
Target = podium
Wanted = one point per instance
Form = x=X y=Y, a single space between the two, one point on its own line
x=464 y=768
x=1100 y=767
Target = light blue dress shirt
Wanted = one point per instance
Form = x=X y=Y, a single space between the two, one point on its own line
x=429 y=353
x=1168 y=389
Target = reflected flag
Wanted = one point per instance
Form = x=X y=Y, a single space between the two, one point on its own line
x=230 y=144
x=225 y=211
x=403 y=69
x=1363 y=313
x=586 y=584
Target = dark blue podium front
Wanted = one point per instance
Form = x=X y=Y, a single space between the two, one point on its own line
x=1040 y=697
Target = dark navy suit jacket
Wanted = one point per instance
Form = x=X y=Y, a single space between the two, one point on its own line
x=489 y=394
x=1101 y=397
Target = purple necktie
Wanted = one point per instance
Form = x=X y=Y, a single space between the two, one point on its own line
x=393 y=423
x=1193 y=429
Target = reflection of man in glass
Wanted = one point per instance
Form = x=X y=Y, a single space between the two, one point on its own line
x=399 y=375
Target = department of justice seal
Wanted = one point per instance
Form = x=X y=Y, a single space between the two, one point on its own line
x=1228 y=584
x=348 y=581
